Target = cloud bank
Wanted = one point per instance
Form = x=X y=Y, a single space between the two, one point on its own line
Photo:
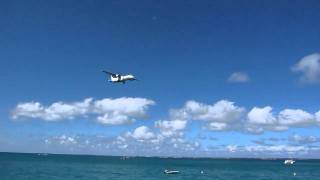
x=106 y=111
x=141 y=142
x=224 y=115
x=171 y=136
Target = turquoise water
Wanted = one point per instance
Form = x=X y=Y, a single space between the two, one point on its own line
x=33 y=166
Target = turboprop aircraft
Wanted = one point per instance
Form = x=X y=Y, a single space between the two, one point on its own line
x=118 y=78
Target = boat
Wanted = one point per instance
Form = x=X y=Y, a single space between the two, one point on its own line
x=124 y=157
x=42 y=154
x=171 y=172
x=289 y=161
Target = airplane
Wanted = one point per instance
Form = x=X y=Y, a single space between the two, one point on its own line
x=117 y=78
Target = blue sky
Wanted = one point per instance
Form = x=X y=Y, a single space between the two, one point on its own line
x=223 y=57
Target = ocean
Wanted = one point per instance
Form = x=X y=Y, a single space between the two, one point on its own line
x=22 y=166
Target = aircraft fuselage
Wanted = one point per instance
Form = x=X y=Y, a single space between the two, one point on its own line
x=121 y=78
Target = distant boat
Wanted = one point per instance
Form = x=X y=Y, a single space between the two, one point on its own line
x=289 y=161
x=43 y=154
x=171 y=172
x=124 y=157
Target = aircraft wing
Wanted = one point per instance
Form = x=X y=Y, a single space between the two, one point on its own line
x=110 y=73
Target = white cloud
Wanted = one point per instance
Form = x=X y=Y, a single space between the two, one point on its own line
x=318 y=116
x=220 y=116
x=107 y=111
x=276 y=148
x=262 y=151
x=62 y=140
x=222 y=111
x=261 y=119
x=141 y=133
x=232 y=148
x=296 y=117
x=304 y=139
x=261 y=116
x=130 y=106
x=239 y=77
x=114 y=119
x=143 y=142
x=171 y=128
x=224 y=115
x=57 y=111
x=217 y=126
x=309 y=67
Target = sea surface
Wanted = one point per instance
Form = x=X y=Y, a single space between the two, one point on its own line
x=18 y=166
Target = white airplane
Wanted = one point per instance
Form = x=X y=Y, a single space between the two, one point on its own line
x=117 y=78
